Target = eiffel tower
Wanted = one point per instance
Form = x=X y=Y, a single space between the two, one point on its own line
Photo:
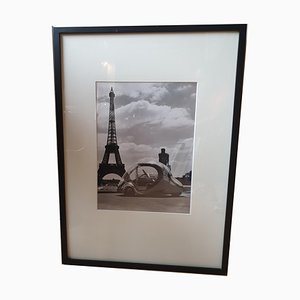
x=111 y=146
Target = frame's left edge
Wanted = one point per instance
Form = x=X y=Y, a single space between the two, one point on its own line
x=234 y=143
x=60 y=138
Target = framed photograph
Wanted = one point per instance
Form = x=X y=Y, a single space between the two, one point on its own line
x=147 y=137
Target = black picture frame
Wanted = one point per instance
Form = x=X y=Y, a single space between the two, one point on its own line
x=58 y=34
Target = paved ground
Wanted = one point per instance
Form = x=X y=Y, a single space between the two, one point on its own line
x=116 y=201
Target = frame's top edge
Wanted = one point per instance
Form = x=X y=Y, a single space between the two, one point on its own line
x=151 y=28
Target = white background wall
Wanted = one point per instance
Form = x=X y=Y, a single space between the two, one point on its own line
x=265 y=247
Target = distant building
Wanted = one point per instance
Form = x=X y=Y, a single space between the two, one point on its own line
x=186 y=179
x=188 y=175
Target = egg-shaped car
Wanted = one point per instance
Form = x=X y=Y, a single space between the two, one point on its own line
x=149 y=178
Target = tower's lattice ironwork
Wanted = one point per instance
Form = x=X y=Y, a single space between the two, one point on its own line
x=111 y=145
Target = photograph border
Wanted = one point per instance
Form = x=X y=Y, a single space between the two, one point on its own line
x=114 y=82
x=241 y=29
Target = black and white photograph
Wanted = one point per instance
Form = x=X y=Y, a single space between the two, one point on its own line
x=145 y=134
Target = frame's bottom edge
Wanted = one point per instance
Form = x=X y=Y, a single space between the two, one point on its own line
x=145 y=266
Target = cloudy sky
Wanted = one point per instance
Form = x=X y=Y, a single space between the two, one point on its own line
x=149 y=116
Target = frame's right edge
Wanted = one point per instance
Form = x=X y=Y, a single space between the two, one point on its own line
x=234 y=143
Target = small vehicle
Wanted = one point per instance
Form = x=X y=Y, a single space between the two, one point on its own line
x=152 y=178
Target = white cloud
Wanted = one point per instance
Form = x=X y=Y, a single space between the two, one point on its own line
x=183 y=87
x=156 y=93
x=141 y=112
x=175 y=117
x=137 y=148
